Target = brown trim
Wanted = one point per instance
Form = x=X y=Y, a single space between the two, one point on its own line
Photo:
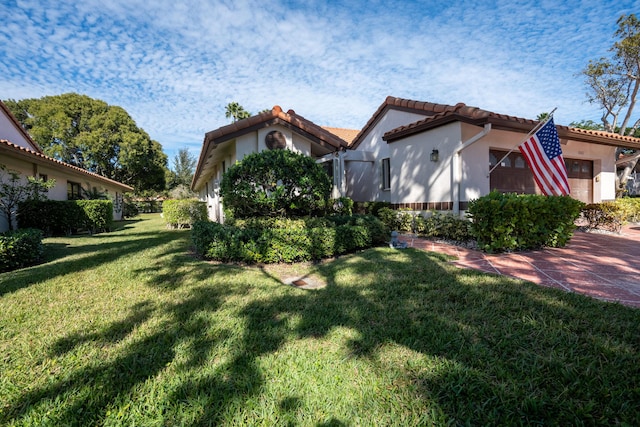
x=424 y=206
x=17 y=151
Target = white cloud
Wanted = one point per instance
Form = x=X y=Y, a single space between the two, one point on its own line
x=175 y=65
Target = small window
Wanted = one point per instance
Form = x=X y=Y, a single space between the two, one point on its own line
x=386 y=174
x=520 y=163
x=575 y=166
x=73 y=191
x=492 y=159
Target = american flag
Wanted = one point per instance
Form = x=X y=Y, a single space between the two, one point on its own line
x=544 y=156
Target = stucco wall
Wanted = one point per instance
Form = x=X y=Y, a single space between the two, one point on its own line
x=414 y=177
x=364 y=179
x=9 y=132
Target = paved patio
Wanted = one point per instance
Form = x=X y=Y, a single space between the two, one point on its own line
x=603 y=266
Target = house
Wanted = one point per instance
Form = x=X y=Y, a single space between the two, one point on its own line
x=268 y=130
x=420 y=155
x=436 y=156
x=20 y=153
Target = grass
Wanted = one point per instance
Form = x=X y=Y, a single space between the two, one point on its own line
x=127 y=328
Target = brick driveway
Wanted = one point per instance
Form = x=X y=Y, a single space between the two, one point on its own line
x=603 y=266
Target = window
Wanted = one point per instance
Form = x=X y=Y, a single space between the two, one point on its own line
x=386 y=174
x=73 y=191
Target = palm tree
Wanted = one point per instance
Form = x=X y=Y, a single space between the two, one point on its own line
x=236 y=112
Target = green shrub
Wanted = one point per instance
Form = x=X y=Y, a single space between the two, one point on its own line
x=56 y=217
x=272 y=240
x=505 y=222
x=183 y=213
x=275 y=183
x=370 y=208
x=98 y=214
x=20 y=248
x=389 y=218
x=446 y=226
x=340 y=206
x=631 y=208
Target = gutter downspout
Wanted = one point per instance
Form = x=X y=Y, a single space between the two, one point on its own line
x=456 y=173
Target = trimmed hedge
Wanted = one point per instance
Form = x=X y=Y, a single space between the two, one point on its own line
x=276 y=183
x=56 y=217
x=20 y=248
x=506 y=222
x=631 y=207
x=184 y=212
x=273 y=240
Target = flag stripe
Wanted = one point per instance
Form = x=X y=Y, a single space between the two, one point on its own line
x=544 y=156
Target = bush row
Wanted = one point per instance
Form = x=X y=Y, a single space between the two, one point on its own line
x=20 y=248
x=434 y=224
x=56 y=217
x=183 y=213
x=611 y=216
x=506 y=222
x=271 y=240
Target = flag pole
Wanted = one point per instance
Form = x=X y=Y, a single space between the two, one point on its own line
x=534 y=130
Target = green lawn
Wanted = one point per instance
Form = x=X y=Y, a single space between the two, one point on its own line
x=127 y=328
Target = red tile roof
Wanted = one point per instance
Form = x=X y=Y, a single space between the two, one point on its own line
x=392 y=103
x=476 y=116
x=30 y=155
x=275 y=116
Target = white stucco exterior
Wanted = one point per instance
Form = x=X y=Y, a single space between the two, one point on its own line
x=461 y=173
x=364 y=179
x=404 y=134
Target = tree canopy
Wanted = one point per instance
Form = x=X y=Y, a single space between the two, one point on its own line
x=613 y=84
x=180 y=176
x=95 y=136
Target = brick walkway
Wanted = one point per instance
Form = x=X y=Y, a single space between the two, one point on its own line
x=603 y=266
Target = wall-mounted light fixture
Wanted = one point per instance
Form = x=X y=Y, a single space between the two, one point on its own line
x=435 y=156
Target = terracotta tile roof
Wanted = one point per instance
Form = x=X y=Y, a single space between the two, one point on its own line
x=401 y=104
x=31 y=155
x=347 y=135
x=15 y=121
x=276 y=116
x=476 y=116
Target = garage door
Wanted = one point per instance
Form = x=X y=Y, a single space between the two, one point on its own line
x=513 y=176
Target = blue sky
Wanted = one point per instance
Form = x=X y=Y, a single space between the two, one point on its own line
x=174 y=65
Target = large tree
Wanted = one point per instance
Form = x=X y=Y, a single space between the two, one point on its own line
x=613 y=84
x=95 y=136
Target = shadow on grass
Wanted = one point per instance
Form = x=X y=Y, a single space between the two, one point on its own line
x=62 y=258
x=503 y=352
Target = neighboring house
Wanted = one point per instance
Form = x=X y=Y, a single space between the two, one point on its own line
x=417 y=155
x=20 y=153
x=268 y=130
